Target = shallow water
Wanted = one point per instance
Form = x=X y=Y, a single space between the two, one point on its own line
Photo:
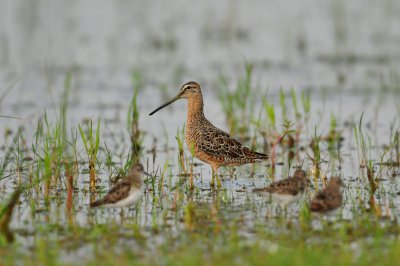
x=344 y=53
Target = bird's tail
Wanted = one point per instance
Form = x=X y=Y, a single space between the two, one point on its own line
x=259 y=157
x=255 y=155
x=96 y=203
x=262 y=156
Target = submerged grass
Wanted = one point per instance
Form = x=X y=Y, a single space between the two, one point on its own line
x=91 y=141
x=5 y=216
x=346 y=243
x=133 y=119
x=179 y=220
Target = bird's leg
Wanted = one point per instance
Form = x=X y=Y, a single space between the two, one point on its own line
x=270 y=212
x=214 y=169
x=218 y=180
x=212 y=178
x=285 y=209
x=122 y=215
x=278 y=209
x=215 y=176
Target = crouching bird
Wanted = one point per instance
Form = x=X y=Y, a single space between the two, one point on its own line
x=328 y=200
x=287 y=190
x=126 y=192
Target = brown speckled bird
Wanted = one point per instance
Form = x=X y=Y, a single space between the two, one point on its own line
x=287 y=190
x=126 y=192
x=328 y=199
x=209 y=143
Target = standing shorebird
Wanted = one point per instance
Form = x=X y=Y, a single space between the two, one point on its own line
x=287 y=190
x=209 y=143
x=126 y=192
x=328 y=199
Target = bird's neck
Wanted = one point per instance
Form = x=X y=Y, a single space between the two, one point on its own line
x=135 y=180
x=195 y=109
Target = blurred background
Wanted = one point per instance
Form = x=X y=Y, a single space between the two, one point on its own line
x=327 y=47
x=306 y=43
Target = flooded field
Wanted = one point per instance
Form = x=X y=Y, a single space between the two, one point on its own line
x=313 y=85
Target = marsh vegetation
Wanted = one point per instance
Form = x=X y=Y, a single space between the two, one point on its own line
x=71 y=129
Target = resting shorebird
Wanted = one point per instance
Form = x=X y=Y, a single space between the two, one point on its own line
x=210 y=144
x=126 y=192
x=287 y=190
x=328 y=199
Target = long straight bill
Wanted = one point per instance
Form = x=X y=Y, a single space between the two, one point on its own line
x=165 y=104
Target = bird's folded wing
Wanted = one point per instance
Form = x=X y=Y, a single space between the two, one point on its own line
x=118 y=192
x=218 y=143
x=281 y=187
x=284 y=187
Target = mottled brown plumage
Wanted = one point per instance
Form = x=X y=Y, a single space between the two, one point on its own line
x=209 y=143
x=126 y=192
x=287 y=190
x=329 y=198
x=291 y=185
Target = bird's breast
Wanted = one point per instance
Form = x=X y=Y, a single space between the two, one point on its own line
x=192 y=134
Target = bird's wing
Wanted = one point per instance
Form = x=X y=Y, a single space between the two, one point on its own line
x=335 y=199
x=218 y=143
x=118 y=192
x=285 y=186
x=326 y=200
x=322 y=195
